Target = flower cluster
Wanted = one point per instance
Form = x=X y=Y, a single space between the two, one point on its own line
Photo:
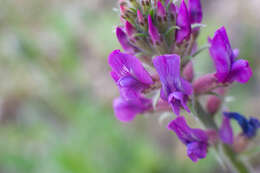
x=159 y=42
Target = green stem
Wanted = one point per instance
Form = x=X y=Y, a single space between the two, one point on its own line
x=231 y=158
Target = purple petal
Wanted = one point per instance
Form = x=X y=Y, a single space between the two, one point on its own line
x=195 y=11
x=168 y=68
x=221 y=53
x=130 y=30
x=226 y=132
x=241 y=71
x=125 y=64
x=123 y=40
x=185 y=133
x=178 y=99
x=182 y=130
x=140 y=17
x=197 y=150
x=126 y=110
x=153 y=31
x=172 y=9
x=183 y=22
x=160 y=9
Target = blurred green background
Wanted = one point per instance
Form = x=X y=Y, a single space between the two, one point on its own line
x=56 y=93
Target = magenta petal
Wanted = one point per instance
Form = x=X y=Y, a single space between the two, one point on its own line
x=226 y=132
x=221 y=52
x=123 y=40
x=241 y=71
x=168 y=68
x=153 y=31
x=195 y=10
x=182 y=130
x=196 y=140
x=160 y=9
x=183 y=21
x=130 y=30
x=124 y=64
x=197 y=150
x=126 y=110
x=178 y=99
x=185 y=133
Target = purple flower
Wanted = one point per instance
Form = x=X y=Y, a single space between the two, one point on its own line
x=123 y=40
x=196 y=140
x=175 y=89
x=228 y=68
x=153 y=32
x=129 y=74
x=126 y=110
x=183 y=21
x=195 y=11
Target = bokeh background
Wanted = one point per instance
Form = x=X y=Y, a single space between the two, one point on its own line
x=56 y=93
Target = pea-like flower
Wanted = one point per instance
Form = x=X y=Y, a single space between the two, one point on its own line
x=175 y=89
x=196 y=140
x=129 y=74
x=228 y=68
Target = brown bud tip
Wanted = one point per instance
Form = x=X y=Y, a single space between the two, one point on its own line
x=240 y=143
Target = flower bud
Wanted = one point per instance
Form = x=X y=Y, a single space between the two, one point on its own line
x=140 y=18
x=161 y=12
x=214 y=102
x=153 y=32
x=188 y=72
x=130 y=29
x=123 y=40
x=205 y=84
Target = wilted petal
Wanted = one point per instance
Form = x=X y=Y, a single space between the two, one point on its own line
x=241 y=71
x=126 y=110
x=183 y=21
x=195 y=10
x=226 y=132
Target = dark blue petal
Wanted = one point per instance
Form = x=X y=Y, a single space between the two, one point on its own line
x=249 y=127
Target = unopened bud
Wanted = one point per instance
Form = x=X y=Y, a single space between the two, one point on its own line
x=214 y=102
x=205 y=84
x=188 y=72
